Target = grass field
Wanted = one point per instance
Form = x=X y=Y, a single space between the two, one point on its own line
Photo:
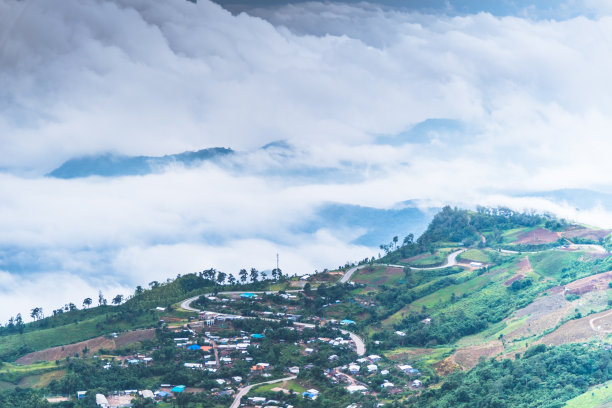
x=41 y=380
x=14 y=372
x=5 y=385
x=599 y=396
x=378 y=275
x=444 y=295
x=437 y=258
x=475 y=255
x=552 y=263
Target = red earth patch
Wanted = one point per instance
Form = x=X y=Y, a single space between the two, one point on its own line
x=537 y=236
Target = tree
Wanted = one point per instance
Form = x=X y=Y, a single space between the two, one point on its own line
x=19 y=323
x=101 y=300
x=264 y=275
x=221 y=277
x=231 y=280
x=395 y=239
x=243 y=275
x=36 y=313
x=139 y=290
x=254 y=275
x=210 y=274
x=153 y=284
x=87 y=302
x=117 y=300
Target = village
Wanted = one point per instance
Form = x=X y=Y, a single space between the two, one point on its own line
x=235 y=359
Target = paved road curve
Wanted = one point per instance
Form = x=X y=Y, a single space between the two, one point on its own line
x=347 y=276
x=450 y=261
x=245 y=390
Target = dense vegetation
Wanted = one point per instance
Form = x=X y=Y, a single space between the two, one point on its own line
x=453 y=225
x=543 y=377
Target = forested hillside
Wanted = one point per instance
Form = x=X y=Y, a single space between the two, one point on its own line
x=487 y=308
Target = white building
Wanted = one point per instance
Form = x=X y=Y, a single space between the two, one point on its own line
x=101 y=401
x=356 y=388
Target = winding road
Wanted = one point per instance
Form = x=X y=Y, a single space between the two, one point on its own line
x=245 y=390
x=347 y=276
x=450 y=261
x=360 y=347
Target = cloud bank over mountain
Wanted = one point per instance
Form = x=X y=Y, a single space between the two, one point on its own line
x=374 y=106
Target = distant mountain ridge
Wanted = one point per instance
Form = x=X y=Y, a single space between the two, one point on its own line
x=113 y=165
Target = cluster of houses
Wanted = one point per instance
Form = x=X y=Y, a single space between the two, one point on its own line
x=411 y=372
x=261 y=401
x=122 y=399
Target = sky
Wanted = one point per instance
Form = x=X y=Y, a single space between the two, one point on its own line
x=382 y=108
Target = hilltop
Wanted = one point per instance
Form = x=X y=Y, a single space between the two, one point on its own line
x=487 y=308
x=112 y=165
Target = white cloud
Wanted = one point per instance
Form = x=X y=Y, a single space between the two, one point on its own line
x=164 y=77
x=20 y=294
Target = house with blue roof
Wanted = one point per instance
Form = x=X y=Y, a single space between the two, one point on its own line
x=257 y=336
x=178 y=389
x=310 y=395
x=346 y=322
x=248 y=295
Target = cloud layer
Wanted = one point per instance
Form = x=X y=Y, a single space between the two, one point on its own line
x=526 y=105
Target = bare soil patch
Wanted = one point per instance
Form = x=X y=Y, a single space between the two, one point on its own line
x=537 y=236
x=573 y=331
x=61 y=352
x=524 y=265
x=543 y=314
x=580 y=330
x=416 y=258
x=514 y=279
x=409 y=355
x=446 y=366
x=119 y=400
x=468 y=357
x=54 y=400
x=590 y=284
x=587 y=233
x=542 y=306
